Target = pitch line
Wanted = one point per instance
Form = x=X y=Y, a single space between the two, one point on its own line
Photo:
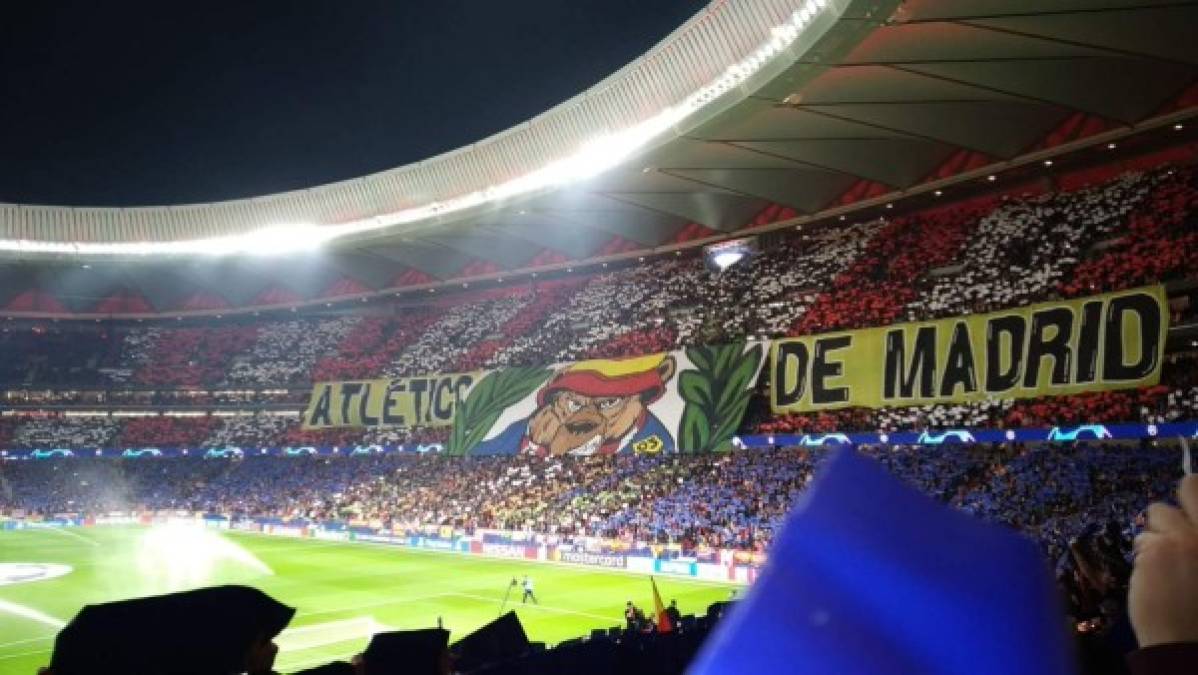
x=20 y=654
x=34 y=615
x=284 y=664
x=26 y=640
x=64 y=532
x=30 y=613
x=294 y=544
x=581 y=569
x=381 y=603
x=547 y=608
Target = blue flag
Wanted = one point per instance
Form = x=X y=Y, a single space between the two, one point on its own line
x=870 y=576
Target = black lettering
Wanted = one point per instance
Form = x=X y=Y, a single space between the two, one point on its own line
x=442 y=403
x=821 y=369
x=1015 y=327
x=348 y=391
x=1087 y=342
x=790 y=393
x=418 y=386
x=320 y=411
x=959 y=368
x=1148 y=313
x=1057 y=347
x=391 y=401
x=363 y=404
x=461 y=388
x=923 y=364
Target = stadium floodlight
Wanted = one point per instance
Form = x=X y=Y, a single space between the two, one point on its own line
x=268 y=241
x=727 y=259
x=725 y=254
x=592 y=157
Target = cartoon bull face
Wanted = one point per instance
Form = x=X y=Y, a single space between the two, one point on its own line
x=576 y=422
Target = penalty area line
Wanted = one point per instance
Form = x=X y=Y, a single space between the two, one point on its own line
x=369 y=605
x=14 y=643
x=33 y=615
x=30 y=613
x=285 y=664
x=546 y=608
x=20 y=654
x=64 y=532
x=485 y=559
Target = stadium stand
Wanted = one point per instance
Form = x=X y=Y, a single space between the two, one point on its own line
x=985 y=254
x=241 y=384
x=1059 y=495
x=189 y=356
x=79 y=433
x=249 y=431
x=287 y=352
x=877 y=286
x=1025 y=247
x=903 y=161
x=699 y=502
x=171 y=432
x=54 y=355
x=991 y=253
x=976 y=259
x=1158 y=244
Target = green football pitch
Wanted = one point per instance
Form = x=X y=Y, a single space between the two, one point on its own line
x=343 y=592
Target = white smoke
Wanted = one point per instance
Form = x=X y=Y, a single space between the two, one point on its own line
x=182 y=555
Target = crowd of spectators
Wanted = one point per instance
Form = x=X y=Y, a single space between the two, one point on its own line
x=166 y=431
x=56 y=431
x=1024 y=248
x=286 y=353
x=144 y=399
x=722 y=500
x=56 y=354
x=1160 y=241
x=221 y=430
x=875 y=288
x=191 y=356
x=777 y=289
x=438 y=348
x=975 y=256
x=1082 y=502
x=372 y=344
x=1176 y=399
x=249 y=431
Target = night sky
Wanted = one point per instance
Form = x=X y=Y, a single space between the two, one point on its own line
x=111 y=103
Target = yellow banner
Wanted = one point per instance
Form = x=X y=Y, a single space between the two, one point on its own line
x=427 y=401
x=1102 y=342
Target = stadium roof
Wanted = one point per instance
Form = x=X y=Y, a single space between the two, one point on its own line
x=752 y=114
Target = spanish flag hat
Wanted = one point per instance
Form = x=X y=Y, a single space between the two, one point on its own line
x=610 y=377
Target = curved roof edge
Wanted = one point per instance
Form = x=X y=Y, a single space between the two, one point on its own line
x=714 y=59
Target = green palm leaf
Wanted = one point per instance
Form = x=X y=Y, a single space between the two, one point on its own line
x=497 y=391
x=716 y=393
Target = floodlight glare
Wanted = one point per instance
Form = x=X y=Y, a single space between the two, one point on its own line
x=592 y=157
x=727 y=259
x=725 y=254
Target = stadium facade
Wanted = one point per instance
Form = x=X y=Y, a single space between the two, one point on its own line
x=976 y=231
x=751 y=117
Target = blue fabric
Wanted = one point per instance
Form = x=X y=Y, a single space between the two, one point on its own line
x=653 y=427
x=871 y=577
x=506 y=443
